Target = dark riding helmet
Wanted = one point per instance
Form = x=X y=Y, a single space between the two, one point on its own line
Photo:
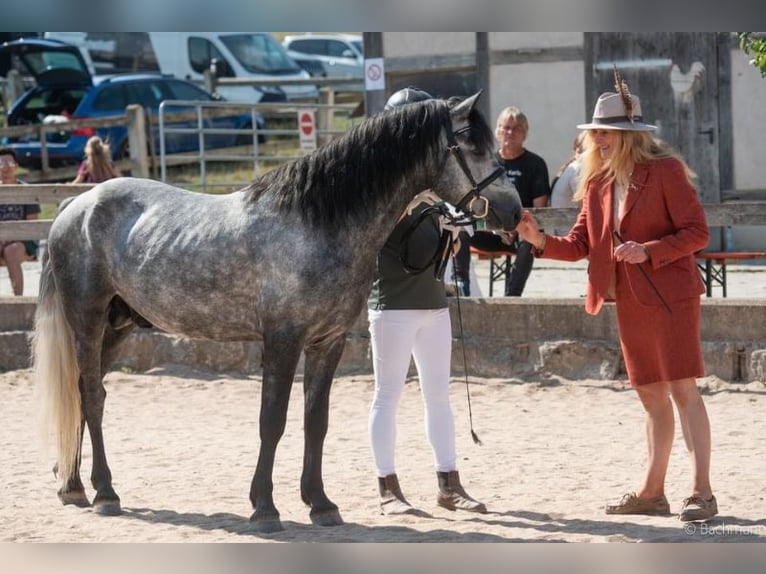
x=406 y=96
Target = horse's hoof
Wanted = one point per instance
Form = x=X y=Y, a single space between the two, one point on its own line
x=329 y=517
x=266 y=524
x=75 y=497
x=107 y=507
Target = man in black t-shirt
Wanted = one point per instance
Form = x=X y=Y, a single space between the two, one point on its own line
x=529 y=174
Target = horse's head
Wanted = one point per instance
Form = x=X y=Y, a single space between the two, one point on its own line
x=471 y=177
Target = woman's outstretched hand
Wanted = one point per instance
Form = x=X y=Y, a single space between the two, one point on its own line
x=529 y=230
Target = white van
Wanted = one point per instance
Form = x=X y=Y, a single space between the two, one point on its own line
x=253 y=55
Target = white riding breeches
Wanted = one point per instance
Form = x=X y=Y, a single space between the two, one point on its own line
x=426 y=335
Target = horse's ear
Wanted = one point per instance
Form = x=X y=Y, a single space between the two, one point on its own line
x=464 y=108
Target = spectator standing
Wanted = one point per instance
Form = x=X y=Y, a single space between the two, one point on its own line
x=564 y=185
x=14 y=253
x=97 y=165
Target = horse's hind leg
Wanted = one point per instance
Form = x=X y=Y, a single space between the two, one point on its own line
x=321 y=363
x=96 y=346
x=73 y=491
x=281 y=352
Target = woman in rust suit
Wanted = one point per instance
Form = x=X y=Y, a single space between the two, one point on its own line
x=640 y=224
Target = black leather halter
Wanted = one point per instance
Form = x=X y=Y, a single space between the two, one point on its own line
x=466 y=204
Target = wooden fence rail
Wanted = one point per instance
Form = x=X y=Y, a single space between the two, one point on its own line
x=136 y=120
x=133 y=119
x=722 y=214
x=731 y=213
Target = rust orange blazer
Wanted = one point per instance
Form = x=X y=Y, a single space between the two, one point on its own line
x=662 y=211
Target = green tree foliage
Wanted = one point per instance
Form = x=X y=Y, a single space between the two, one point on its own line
x=754 y=44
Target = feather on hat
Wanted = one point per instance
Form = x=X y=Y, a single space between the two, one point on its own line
x=618 y=111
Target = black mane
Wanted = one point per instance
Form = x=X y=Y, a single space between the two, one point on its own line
x=367 y=163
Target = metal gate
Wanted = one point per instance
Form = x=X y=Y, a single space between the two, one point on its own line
x=227 y=132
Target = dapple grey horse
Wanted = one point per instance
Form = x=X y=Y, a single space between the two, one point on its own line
x=288 y=260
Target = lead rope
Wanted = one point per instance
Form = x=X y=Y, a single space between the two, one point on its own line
x=474 y=436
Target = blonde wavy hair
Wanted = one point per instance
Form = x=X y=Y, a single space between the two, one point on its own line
x=631 y=148
x=99 y=159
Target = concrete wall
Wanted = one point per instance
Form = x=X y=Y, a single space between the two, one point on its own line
x=427 y=43
x=503 y=337
x=749 y=149
x=552 y=96
x=748 y=98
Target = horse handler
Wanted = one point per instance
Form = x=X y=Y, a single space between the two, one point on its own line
x=409 y=317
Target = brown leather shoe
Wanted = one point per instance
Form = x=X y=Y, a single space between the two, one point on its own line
x=632 y=504
x=392 y=500
x=697 y=508
x=453 y=496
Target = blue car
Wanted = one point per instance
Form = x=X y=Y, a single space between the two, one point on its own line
x=65 y=89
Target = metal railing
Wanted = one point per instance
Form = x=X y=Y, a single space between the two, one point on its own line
x=281 y=134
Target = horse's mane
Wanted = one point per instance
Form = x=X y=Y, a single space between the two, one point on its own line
x=352 y=173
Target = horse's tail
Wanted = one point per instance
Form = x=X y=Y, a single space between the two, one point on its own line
x=56 y=373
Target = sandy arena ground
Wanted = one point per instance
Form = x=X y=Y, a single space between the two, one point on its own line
x=182 y=446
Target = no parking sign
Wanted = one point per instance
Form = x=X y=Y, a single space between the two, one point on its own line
x=307 y=130
x=374 y=74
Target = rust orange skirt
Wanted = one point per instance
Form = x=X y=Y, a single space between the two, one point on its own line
x=657 y=345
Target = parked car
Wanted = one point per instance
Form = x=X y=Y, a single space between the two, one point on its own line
x=341 y=54
x=309 y=63
x=65 y=89
x=255 y=56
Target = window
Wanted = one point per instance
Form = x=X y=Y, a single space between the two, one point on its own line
x=184 y=91
x=38 y=63
x=149 y=94
x=201 y=52
x=260 y=53
x=336 y=49
x=116 y=52
x=111 y=98
x=317 y=47
x=37 y=103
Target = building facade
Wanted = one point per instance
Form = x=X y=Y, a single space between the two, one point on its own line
x=699 y=88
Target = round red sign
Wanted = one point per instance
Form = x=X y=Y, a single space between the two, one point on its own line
x=307 y=123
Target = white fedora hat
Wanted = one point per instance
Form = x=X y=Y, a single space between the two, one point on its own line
x=610 y=114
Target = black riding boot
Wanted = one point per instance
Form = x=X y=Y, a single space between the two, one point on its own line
x=453 y=496
x=392 y=500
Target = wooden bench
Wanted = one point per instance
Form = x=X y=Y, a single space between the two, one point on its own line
x=712 y=265
x=500 y=265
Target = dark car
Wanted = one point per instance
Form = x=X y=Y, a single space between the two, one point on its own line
x=65 y=89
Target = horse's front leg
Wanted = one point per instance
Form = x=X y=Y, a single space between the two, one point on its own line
x=321 y=363
x=281 y=352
